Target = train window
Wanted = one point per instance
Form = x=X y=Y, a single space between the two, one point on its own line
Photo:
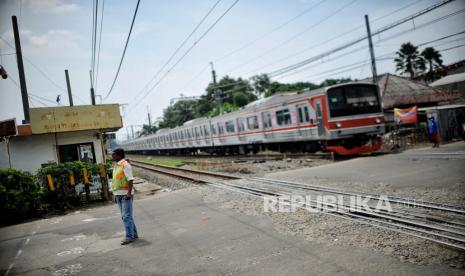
x=283 y=117
x=205 y=130
x=220 y=128
x=302 y=112
x=353 y=100
x=213 y=129
x=201 y=131
x=196 y=132
x=230 y=127
x=240 y=124
x=266 y=119
x=252 y=122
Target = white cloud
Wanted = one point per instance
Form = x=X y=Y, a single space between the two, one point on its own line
x=53 y=6
x=51 y=38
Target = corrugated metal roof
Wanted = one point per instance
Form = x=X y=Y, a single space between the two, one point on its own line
x=449 y=79
x=399 y=91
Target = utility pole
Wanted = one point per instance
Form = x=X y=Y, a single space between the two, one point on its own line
x=68 y=85
x=132 y=130
x=372 y=52
x=92 y=92
x=148 y=115
x=22 y=78
x=216 y=91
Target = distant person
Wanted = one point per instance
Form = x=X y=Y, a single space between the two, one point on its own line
x=122 y=190
x=433 y=131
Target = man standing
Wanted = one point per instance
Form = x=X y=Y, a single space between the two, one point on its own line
x=122 y=190
x=433 y=132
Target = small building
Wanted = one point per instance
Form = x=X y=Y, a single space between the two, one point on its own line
x=455 y=82
x=449 y=117
x=61 y=134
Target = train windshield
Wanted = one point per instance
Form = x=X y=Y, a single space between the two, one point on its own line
x=353 y=100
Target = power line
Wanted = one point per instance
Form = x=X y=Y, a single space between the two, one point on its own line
x=99 y=44
x=294 y=36
x=339 y=48
x=188 y=51
x=180 y=46
x=124 y=51
x=345 y=33
x=246 y=45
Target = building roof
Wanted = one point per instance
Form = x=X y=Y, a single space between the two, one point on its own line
x=449 y=80
x=398 y=91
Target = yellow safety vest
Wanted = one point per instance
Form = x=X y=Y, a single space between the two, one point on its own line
x=120 y=182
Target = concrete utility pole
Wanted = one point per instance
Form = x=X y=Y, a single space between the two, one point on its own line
x=216 y=90
x=92 y=92
x=132 y=130
x=22 y=78
x=68 y=85
x=148 y=115
x=372 y=52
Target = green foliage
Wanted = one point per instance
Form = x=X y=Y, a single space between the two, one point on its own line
x=65 y=194
x=433 y=58
x=409 y=61
x=19 y=195
x=146 y=130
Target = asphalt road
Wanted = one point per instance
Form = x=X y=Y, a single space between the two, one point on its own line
x=182 y=234
x=424 y=168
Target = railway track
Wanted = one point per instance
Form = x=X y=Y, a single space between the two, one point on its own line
x=439 y=223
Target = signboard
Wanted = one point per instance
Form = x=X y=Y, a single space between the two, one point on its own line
x=8 y=128
x=75 y=118
x=406 y=116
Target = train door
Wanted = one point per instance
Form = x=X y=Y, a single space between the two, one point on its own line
x=319 y=118
x=303 y=119
x=267 y=125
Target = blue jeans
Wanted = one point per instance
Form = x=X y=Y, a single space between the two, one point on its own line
x=125 y=208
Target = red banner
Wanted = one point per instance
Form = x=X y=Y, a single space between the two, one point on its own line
x=406 y=116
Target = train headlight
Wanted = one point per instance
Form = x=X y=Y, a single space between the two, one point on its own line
x=378 y=121
x=338 y=125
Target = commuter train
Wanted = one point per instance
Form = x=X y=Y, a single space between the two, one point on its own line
x=346 y=119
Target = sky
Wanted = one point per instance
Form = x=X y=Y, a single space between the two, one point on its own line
x=254 y=37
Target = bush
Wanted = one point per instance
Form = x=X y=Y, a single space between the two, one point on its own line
x=19 y=195
x=64 y=194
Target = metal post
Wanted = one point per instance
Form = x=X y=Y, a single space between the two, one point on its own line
x=68 y=85
x=372 y=52
x=22 y=78
x=132 y=130
x=92 y=92
x=216 y=91
x=148 y=115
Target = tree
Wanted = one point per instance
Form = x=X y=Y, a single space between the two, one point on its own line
x=409 y=60
x=179 y=113
x=147 y=130
x=261 y=84
x=433 y=58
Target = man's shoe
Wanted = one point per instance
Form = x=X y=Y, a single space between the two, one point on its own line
x=126 y=241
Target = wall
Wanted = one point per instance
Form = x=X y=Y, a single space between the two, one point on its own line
x=28 y=153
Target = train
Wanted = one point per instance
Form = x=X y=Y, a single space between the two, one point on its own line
x=346 y=119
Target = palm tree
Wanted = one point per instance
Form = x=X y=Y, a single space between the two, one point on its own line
x=433 y=58
x=409 y=60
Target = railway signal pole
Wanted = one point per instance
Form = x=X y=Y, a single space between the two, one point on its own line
x=372 y=52
x=216 y=91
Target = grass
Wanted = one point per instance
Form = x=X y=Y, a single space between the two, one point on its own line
x=159 y=161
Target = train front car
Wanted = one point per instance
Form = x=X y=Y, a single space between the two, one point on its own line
x=354 y=119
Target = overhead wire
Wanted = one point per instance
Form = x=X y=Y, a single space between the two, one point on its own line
x=99 y=46
x=187 y=52
x=179 y=47
x=348 y=44
x=295 y=36
x=345 y=33
x=287 y=22
x=124 y=51
x=42 y=73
